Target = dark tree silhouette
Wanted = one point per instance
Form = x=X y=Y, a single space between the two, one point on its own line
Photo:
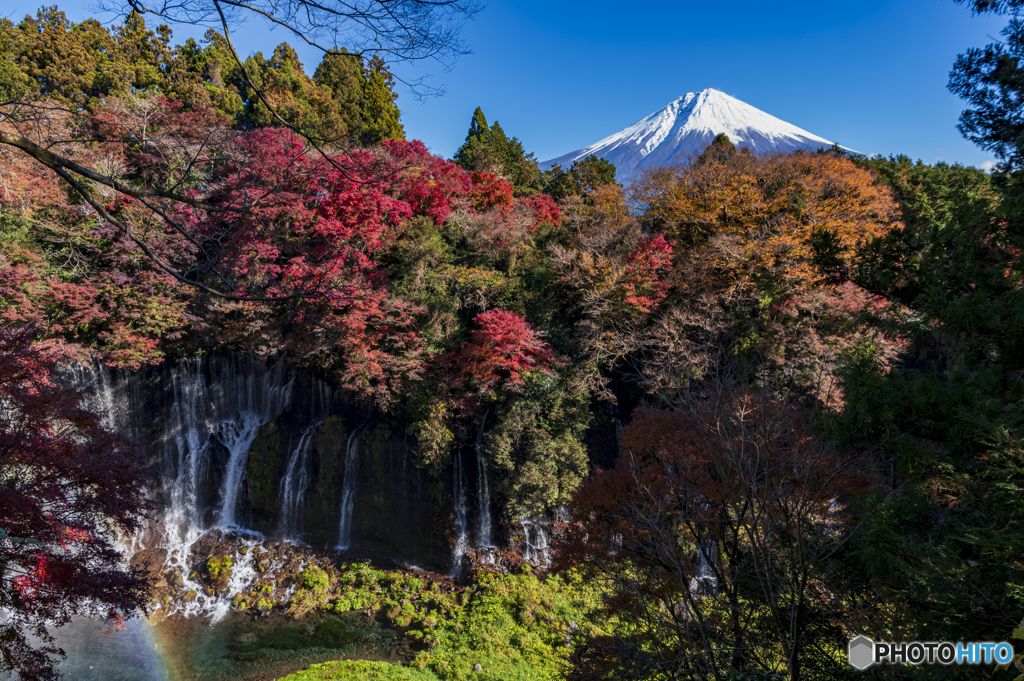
x=67 y=486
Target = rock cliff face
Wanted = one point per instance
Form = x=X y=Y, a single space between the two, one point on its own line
x=247 y=447
x=263 y=470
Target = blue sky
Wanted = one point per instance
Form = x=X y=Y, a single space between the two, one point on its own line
x=560 y=75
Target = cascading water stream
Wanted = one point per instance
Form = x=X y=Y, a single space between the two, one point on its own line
x=228 y=402
x=704 y=582
x=104 y=400
x=259 y=399
x=536 y=548
x=237 y=435
x=483 y=489
x=348 y=488
x=459 y=491
x=187 y=447
x=484 y=494
x=294 y=483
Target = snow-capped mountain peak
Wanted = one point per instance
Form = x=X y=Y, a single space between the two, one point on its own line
x=686 y=127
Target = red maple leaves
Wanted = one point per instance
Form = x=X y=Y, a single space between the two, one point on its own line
x=503 y=349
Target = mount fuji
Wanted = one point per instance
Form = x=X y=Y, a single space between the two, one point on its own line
x=686 y=127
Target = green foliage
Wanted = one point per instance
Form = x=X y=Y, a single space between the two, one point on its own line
x=536 y=446
x=720 y=148
x=380 y=114
x=471 y=155
x=949 y=415
x=293 y=97
x=46 y=56
x=360 y=670
x=489 y=149
x=15 y=228
x=315 y=579
x=582 y=177
x=516 y=627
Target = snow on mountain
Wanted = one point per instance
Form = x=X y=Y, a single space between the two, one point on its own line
x=686 y=127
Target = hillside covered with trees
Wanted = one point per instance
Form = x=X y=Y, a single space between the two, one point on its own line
x=763 y=404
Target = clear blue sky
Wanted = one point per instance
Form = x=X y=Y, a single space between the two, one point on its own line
x=560 y=75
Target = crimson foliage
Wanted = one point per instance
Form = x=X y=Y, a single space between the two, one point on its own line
x=504 y=347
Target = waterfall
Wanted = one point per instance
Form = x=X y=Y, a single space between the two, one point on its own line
x=704 y=583
x=459 y=491
x=536 y=548
x=297 y=478
x=238 y=398
x=187 y=447
x=237 y=435
x=484 y=494
x=228 y=404
x=483 y=490
x=294 y=484
x=348 y=488
x=103 y=401
x=258 y=398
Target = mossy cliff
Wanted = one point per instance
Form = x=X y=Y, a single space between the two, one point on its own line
x=263 y=474
x=400 y=510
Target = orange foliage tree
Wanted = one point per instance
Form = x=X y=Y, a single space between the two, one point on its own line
x=783 y=223
x=773 y=238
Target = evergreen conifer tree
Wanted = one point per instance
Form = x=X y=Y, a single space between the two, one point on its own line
x=472 y=154
x=582 y=177
x=341 y=75
x=489 y=149
x=380 y=115
x=720 y=149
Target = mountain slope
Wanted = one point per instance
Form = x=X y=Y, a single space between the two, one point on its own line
x=686 y=127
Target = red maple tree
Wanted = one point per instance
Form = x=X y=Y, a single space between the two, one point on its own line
x=712 y=535
x=503 y=348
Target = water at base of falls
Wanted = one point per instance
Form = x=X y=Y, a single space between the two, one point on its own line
x=94 y=653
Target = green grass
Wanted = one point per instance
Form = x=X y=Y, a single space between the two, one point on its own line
x=359 y=670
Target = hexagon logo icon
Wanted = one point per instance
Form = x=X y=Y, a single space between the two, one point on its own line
x=862 y=652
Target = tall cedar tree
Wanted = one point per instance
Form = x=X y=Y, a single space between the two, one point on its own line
x=489 y=149
x=380 y=114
